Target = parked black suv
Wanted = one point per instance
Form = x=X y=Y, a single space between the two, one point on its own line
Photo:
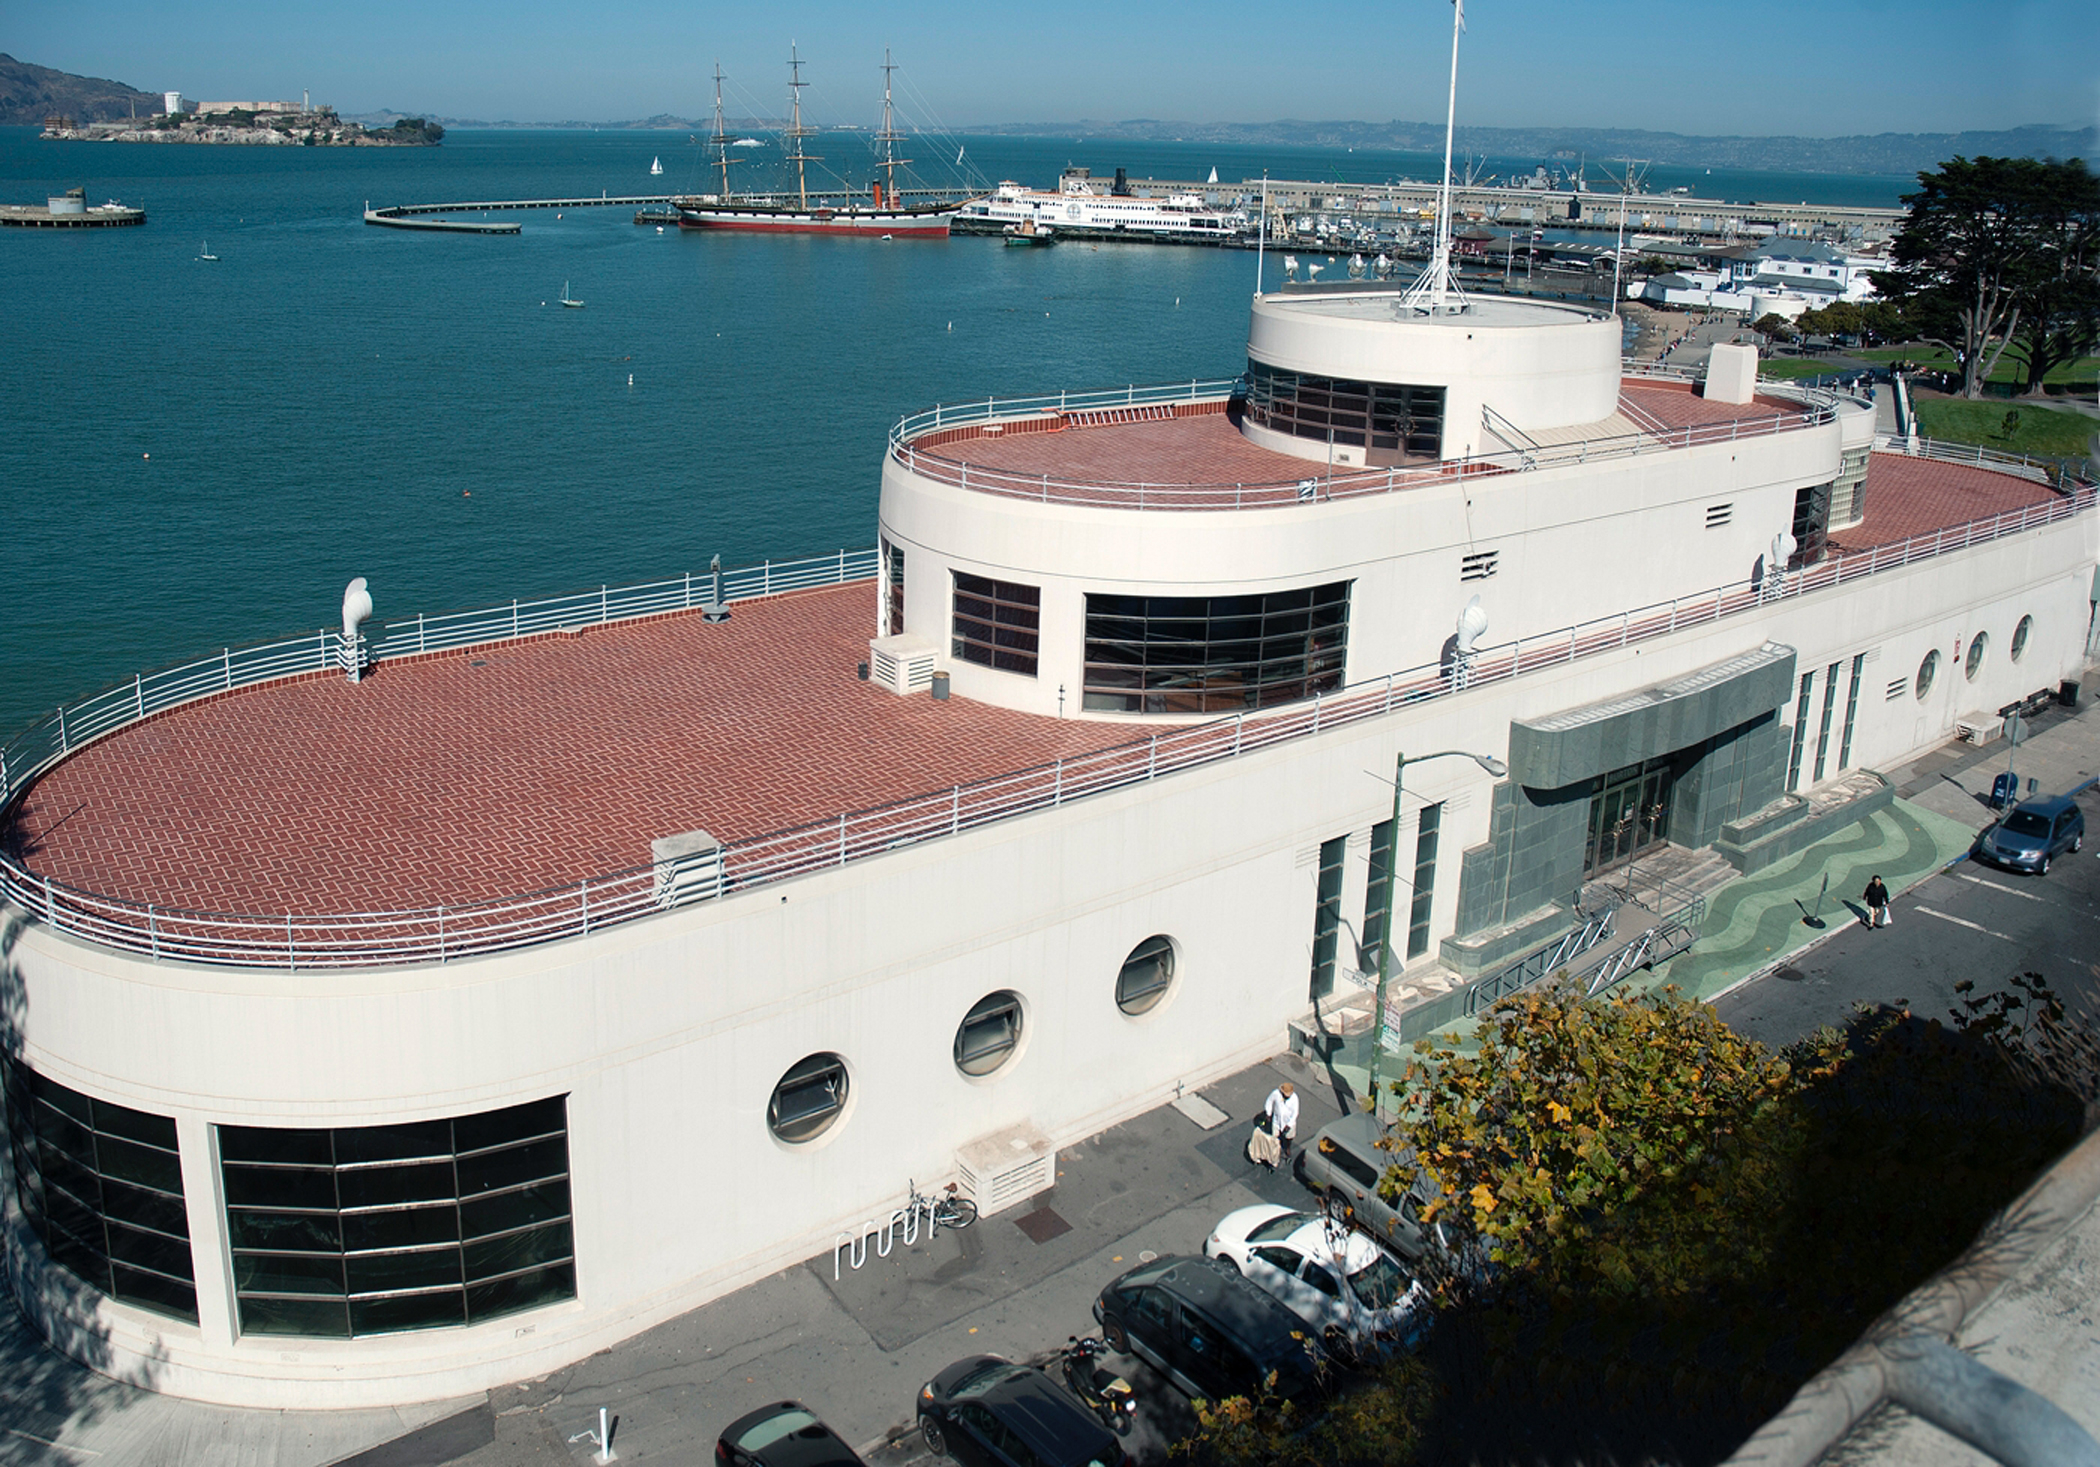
x=1208 y=1330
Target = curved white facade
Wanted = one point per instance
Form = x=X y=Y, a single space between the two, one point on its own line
x=666 y=1036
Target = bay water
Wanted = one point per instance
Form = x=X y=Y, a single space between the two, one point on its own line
x=199 y=454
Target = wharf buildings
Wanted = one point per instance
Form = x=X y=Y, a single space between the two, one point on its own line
x=383 y=1039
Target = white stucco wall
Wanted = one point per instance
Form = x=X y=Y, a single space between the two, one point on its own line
x=668 y=1034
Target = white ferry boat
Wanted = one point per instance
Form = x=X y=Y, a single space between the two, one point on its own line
x=1082 y=208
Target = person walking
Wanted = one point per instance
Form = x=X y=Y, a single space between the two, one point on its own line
x=1281 y=1108
x=1876 y=896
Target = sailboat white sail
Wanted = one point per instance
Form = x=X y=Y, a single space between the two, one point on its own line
x=656 y=167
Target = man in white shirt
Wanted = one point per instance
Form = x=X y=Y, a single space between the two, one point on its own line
x=1282 y=1110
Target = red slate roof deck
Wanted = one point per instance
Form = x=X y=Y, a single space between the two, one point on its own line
x=1200 y=444
x=514 y=767
x=521 y=766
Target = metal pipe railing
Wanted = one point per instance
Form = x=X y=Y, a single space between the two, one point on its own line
x=438 y=934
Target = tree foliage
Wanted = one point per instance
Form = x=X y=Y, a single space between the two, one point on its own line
x=1572 y=1111
x=1987 y=246
x=1658 y=1229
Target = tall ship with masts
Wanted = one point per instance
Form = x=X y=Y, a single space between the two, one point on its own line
x=882 y=212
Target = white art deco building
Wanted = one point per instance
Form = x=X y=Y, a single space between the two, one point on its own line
x=377 y=1040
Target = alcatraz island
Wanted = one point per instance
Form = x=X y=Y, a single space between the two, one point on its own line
x=281 y=124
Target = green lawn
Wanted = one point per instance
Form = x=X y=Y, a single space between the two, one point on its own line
x=1791 y=367
x=2048 y=432
x=1932 y=358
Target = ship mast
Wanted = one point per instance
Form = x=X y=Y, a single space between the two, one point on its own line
x=889 y=137
x=720 y=141
x=796 y=132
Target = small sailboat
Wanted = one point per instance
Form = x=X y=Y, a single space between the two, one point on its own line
x=571 y=304
x=204 y=252
x=656 y=167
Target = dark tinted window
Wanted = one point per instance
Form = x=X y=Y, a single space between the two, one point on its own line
x=101 y=1185
x=1349 y=1163
x=374 y=1229
x=996 y=623
x=1214 y=654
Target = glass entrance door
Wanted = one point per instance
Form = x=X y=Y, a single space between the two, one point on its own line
x=1629 y=811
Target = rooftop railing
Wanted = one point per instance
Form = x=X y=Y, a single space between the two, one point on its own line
x=1320 y=484
x=441 y=933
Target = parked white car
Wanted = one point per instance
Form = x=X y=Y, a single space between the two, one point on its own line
x=1356 y=1295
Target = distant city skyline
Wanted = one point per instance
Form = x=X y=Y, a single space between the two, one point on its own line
x=1788 y=67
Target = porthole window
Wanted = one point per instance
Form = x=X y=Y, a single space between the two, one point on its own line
x=2019 y=641
x=808 y=1099
x=1979 y=645
x=990 y=1033
x=1927 y=671
x=1147 y=975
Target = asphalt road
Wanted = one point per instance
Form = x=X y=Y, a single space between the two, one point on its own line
x=1972 y=921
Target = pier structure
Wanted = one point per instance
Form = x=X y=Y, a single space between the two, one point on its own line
x=426 y=216
x=70 y=210
x=1557 y=208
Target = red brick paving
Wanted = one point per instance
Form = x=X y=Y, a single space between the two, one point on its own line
x=1207 y=448
x=527 y=765
x=1915 y=496
x=438 y=781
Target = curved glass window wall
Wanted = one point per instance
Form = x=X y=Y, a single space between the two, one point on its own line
x=1390 y=421
x=374 y=1229
x=1214 y=654
x=996 y=623
x=101 y=1185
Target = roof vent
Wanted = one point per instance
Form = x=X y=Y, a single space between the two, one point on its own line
x=902 y=663
x=1731 y=373
x=688 y=868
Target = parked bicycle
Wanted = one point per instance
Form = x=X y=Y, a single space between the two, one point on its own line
x=947 y=1208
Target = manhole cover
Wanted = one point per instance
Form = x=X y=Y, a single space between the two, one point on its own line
x=1042 y=1225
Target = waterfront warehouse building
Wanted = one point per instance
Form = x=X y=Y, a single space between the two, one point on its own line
x=381 y=1039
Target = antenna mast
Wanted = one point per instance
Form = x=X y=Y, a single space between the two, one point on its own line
x=796 y=132
x=1435 y=286
x=889 y=137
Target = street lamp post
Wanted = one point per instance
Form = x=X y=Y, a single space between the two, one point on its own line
x=1494 y=767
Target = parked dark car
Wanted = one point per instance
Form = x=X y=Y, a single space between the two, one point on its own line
x=990 y=1412
x=1343 y=1163
x=2033 y=833
x=1208 y=1330
x=784 y=1434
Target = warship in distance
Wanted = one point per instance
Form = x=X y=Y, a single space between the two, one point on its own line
x=881 y=213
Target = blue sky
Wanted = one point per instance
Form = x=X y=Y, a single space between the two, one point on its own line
x=1809 y=67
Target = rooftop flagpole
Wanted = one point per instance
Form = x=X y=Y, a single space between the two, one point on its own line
x=1435 y=285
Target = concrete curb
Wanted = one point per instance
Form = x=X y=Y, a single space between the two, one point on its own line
x=1824 y=1411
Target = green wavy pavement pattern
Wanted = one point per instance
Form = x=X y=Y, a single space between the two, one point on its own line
x=1758 y=920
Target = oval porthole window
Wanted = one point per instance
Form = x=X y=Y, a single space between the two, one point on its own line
x=1979 y=645
x=808 y=1099
x=1147 y=975
x=1927 y=671
x=2020 y=635
x=990 y=1033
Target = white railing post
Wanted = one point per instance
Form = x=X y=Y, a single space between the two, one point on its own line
x=954 y=809
x=583 y=897
x=842 y=837
x=152 y=932
x=291 y=945
x=1152 y=758
x=138 y=695
x=1239 y=723
x=226 y=657
x=1057 y=785
x=64 y=744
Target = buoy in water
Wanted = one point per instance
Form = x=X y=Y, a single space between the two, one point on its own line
x=630 y=379
x=145 y=455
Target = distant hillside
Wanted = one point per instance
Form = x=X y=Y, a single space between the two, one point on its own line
x=29 y=94
x=1886 y=153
